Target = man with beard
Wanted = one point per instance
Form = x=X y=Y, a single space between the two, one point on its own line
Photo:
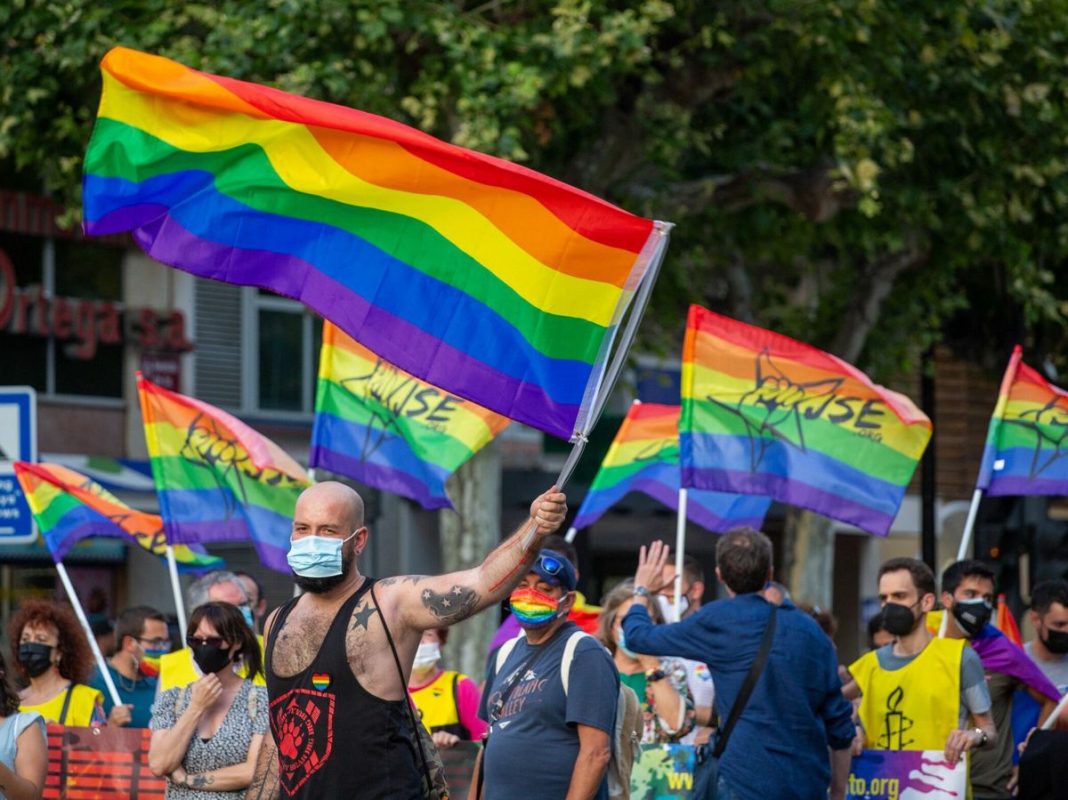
x=337 y=698
x=1049 y=616
x=918 y=692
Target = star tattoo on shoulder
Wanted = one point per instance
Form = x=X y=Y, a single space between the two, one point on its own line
x=362 y=615
x=454 y=605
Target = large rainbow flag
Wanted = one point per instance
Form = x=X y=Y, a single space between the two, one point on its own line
x=644 y=457
x=765 y=414
x=489 y=280
x=376 y=423
x=1028 y=432
x=69 y=507
x=217 y=479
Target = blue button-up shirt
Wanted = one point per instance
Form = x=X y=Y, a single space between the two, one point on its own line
x=778 y=750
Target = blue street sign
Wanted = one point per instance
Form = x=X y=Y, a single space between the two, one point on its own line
x=18 y=442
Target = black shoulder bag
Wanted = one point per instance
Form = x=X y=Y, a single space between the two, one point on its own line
x=434 y=787
x=707 y=770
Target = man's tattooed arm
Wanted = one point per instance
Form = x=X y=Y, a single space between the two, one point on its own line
x=265 y=784
x=423 y=602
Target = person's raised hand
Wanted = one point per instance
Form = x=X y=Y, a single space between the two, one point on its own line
x=548 y=511
x=205 y=692
x=120 y=715
x=651 y=563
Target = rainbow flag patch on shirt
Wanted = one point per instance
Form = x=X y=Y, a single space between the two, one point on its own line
x=320 y=680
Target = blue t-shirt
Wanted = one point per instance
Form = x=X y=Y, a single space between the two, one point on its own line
x=778 y=748
x=140 y=694
x=533 y=744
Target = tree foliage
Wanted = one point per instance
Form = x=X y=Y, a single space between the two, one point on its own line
x=856 y=173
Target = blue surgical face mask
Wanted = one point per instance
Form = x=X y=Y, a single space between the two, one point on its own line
x=622 y=645
x=317 y=556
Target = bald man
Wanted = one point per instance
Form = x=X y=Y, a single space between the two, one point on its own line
x=337 y=703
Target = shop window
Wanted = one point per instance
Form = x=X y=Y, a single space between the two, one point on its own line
x=287 y=338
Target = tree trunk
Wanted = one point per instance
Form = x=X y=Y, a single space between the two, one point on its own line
x=808 y=557
x=467 y=536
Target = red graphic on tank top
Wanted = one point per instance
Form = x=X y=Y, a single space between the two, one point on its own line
x=302 y=721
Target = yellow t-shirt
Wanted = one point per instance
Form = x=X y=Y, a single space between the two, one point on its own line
x=82 y=711
x=178 y=669
x=436 y=703
x=914 y=707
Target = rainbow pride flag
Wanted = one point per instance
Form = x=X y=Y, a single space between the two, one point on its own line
x=217 y=479
x=69 y=507
x=1026 y=448
x=765 y=414
x=644 y=457
x=489 y=280
x=383 y=427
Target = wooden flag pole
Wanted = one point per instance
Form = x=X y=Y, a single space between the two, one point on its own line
x=102 y=665
x=680 y=551
x=176 y=588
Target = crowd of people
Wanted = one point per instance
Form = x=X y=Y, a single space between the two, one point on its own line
x=345 y=693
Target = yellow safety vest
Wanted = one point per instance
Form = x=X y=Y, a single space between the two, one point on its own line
x=436 y=703
x=83 y=702
x=178 y=669
x=915 y=707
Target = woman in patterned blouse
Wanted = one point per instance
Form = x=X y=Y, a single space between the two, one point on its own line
x=206 y=736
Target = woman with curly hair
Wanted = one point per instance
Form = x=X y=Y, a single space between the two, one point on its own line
x=660 y=683
x=23 y=748
x=52 y=655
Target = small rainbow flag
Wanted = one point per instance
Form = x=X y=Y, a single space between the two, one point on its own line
x=217 y=479
x=1028 y=429
x=765 y=414
x=489 y=280
x=320 y=680
x=378 y=424
x=644 y=457
x=69 y=507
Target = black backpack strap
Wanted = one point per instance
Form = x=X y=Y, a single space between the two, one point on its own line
x=750 y=684
x=407 y=698
x=66 y=705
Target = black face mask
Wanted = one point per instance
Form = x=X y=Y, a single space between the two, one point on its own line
x=210 y=659
x=972 y=615
x=1056 y=642
x=898 y=619
x=35 y=658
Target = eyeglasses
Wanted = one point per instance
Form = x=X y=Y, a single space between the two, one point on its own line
x=205 y=641
x=156 y=644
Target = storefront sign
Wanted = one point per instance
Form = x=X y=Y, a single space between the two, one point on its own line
x=18 y=442
x=85 y=324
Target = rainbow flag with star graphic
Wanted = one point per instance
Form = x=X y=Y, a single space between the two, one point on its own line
x=644 y=457
x=217 y=479
x=765 y=414
x=379 y=425
x=69 y=507
x=482 y=277
x=1025 y=452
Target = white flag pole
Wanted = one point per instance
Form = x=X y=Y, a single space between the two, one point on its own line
x=176 y=588
x=80 y=613
x=1051 y=720
x=680 y=551
x=571 y=534
x=965 y=546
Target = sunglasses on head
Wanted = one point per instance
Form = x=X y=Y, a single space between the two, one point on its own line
x=205 y=641
x=551 y=564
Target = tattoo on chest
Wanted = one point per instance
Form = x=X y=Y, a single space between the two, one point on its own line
x=362 y=615
x=452 y=606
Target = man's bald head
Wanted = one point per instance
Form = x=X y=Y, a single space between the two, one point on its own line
x=332 y=499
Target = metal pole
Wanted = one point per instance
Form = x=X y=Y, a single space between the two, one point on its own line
x=80 y=613
x=176 y=588
x=680 y=551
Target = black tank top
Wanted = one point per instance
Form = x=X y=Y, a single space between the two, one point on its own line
x=335 y=739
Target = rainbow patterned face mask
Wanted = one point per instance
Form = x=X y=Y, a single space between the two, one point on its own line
x=532 y=608
x=149 y=663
